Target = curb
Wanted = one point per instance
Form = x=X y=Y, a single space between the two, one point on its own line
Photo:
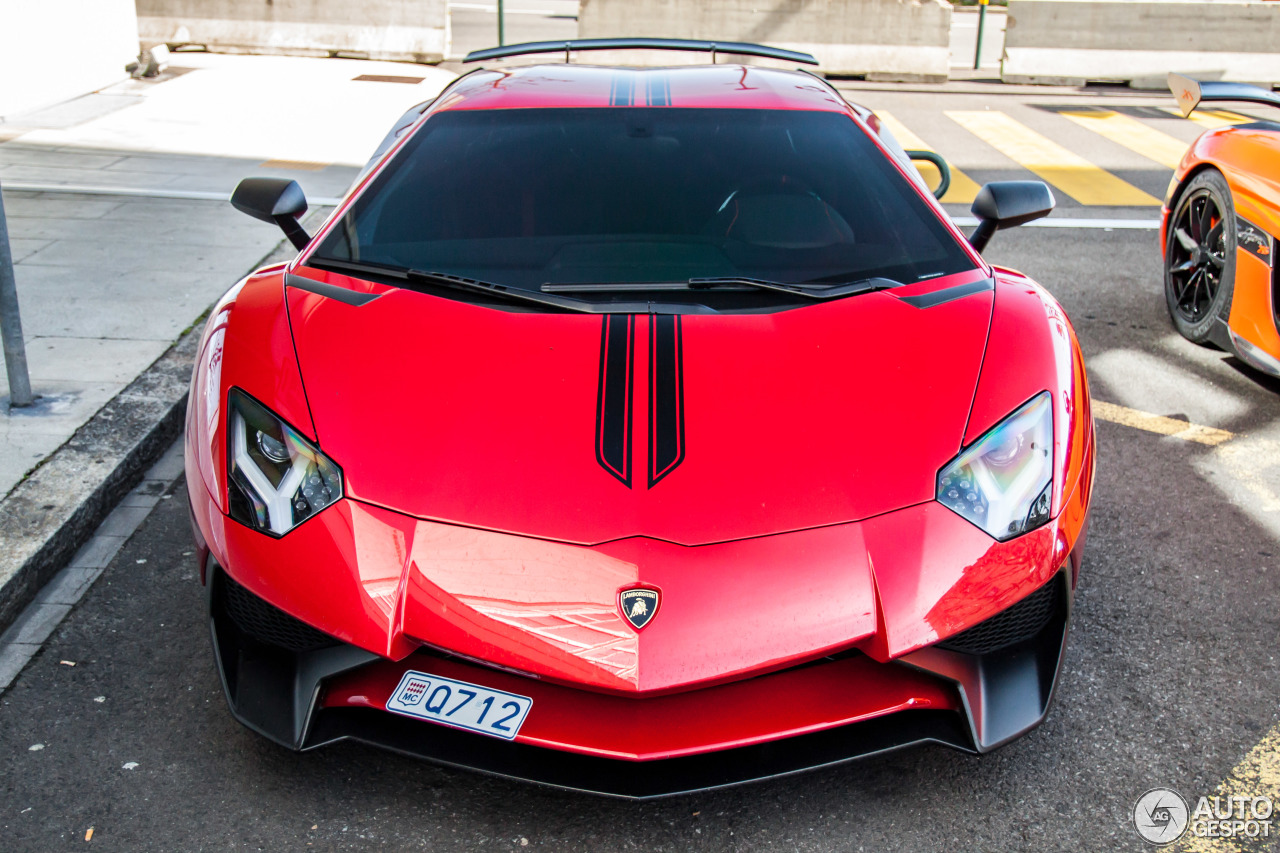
x=47 y=517
x=25 y=637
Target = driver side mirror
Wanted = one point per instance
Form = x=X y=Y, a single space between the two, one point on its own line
x=277 y=200
x=1004 y=204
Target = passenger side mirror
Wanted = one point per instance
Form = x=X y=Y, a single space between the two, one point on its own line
x=1004 y=204
x=277 y=200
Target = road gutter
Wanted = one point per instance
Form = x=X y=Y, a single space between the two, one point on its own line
x=47 y=517
x=24 y=638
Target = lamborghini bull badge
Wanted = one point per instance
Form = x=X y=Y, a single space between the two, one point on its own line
x=638 y=605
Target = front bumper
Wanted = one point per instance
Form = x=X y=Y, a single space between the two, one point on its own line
x=304 y=690
x=751 y=669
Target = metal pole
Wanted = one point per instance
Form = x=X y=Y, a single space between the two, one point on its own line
x=500 y=35
x=982 y=20
x=15 y=351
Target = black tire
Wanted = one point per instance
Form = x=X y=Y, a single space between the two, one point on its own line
x=1200 y=257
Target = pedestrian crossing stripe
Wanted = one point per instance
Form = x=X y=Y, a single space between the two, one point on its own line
x=1210 y=119
x=1069 y=172
x=963 y=189
x=1131 y=133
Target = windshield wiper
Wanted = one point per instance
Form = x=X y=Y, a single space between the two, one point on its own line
x=502 y=291
x=611 y=286
x=805 y=291
x=457 y=282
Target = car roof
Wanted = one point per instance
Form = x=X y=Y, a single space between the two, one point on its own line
x=714 y=86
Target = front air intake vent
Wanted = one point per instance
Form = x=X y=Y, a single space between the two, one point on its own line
x=1020 y=622
x=269 y=624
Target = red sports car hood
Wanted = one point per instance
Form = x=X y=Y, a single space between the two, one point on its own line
x=691 y=429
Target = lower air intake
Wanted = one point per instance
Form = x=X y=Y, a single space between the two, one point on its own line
x=269 y=624
x=1020 y=622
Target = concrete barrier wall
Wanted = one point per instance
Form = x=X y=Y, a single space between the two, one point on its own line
x=1071 y=42
x=883 y=39
x=54 y=50
x=412 y=30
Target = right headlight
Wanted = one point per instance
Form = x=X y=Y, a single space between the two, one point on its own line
x=1003 y=482
x=276 y=478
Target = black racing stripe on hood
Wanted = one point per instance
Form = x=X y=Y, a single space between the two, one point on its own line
x=613 y=406
x=666 y=396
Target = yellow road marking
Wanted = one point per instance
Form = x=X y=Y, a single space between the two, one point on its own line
x=1132 y=134
x=1210 y=118
x=963 y=188
x=295 y=165
x=1159 y=424
x=1069 y=172
x=1258 y=775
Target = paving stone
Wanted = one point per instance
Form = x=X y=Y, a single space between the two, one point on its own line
x=48 y=174
x=78 y=111
x=17 y=153
x=169 y=467
x=45 y=206
x=122 y=521
x=136 y=498
x=25 y=248
x=37 y=623
x=97 y=552
x=68 y=585
x=13 y=657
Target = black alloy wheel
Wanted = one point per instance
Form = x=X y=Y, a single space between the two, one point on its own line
x=1200 y=257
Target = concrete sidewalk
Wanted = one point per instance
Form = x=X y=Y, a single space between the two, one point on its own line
x=108 y=281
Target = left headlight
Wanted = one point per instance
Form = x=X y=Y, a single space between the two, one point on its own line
x=276 y=479
x=1003 y=482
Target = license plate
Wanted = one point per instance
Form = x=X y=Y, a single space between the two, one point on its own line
x=459 y=704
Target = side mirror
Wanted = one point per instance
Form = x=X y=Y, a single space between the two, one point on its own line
x=1004 y=204
x=277 y=200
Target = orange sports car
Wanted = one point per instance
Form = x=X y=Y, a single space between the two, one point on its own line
x=1217 y=230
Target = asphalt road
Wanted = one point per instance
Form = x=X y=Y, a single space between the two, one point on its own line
x=1170 y=675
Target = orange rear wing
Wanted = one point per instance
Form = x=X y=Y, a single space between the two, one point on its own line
x=1191 y=93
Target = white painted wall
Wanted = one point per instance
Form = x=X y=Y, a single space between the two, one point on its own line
x=1070 y=42
x=55 y=50
x=409 y=30
x=884 y=39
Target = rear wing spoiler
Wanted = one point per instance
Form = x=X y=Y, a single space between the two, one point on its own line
x=712 y=47
x=1190 y=93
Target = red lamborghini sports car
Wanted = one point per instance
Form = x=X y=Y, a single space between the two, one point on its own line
x=639 y=431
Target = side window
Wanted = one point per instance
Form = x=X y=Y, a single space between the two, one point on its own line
x=895 y=147
x=402 y=124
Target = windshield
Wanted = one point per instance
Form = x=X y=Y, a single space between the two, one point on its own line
x=533 y=197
